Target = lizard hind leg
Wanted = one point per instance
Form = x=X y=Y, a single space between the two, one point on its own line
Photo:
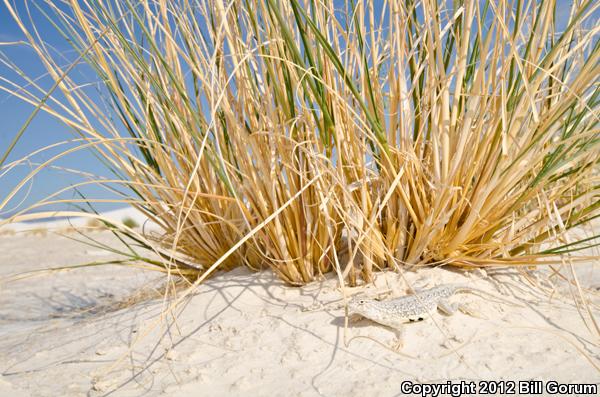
x=448 y=308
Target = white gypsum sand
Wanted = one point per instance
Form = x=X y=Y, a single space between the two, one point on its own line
x=81 y=222
x=99 y=330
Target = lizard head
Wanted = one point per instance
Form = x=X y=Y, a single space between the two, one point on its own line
x=358 y=305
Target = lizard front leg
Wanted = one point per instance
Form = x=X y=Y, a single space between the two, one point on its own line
x=398 y=328
x=398 y=344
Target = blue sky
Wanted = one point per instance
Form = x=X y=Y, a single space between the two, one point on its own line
x=45 y=129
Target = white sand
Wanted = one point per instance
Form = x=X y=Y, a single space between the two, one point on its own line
x=62 y=224
x=245 y=333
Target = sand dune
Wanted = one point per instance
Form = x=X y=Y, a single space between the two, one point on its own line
x=104 y=331
x=62 y=224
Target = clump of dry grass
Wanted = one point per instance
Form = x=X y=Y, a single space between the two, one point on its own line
x=257 y=133
x=130 y=222
x=94 y=224
x=501 y=137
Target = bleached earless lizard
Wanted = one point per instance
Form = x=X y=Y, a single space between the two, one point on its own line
x=396 y=312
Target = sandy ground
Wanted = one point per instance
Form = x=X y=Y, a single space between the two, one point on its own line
x=104 y=331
